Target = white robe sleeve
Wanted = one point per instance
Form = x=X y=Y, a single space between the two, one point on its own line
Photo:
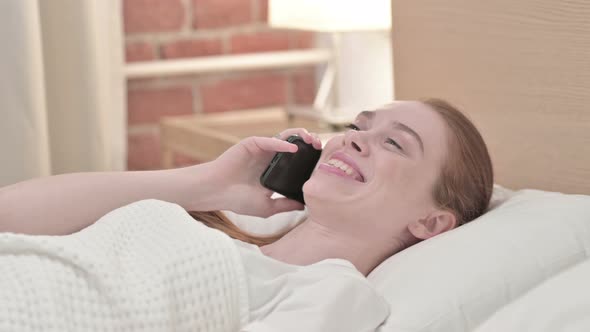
x=336 y=303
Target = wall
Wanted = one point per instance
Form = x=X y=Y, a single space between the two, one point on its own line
x=519 y=69
x=172 y=29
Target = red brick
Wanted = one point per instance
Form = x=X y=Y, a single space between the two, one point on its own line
x=148 y=105
x=139 y=52
x=302 y=39
x=191 y=48
x=143 y=151
x=262 y=10
x=152 y=15
x=209 y=14
x=181 y=160
x=260 y=42
x=252 y=92
x=304 y=87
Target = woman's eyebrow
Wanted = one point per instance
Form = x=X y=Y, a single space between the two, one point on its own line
x=403 y=127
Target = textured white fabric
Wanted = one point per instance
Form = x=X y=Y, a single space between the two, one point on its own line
x=561 y=303
x=457 y=280
x=147 y=266
x=331 y=295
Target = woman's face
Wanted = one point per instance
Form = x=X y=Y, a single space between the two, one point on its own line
x=380 y=175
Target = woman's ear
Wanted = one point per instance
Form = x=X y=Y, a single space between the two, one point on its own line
x=435 y=223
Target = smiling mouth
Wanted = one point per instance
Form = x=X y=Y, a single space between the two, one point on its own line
x=341 y=168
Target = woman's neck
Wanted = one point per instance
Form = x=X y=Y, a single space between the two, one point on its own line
x=311 y=242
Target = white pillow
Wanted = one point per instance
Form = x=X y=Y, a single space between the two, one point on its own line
x=561 y=303
x=456 y=280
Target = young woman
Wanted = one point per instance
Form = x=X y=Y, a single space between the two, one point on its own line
x=401 y=174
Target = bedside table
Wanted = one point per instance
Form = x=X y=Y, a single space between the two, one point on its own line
x=206 y=136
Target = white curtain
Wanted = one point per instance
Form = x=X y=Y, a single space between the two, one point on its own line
x=62 y=89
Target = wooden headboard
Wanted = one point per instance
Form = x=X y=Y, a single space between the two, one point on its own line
x=519 y=69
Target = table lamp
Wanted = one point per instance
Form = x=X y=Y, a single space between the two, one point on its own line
x=333 y=17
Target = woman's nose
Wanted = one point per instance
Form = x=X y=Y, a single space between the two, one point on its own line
x=358 y=148
x=356 y=141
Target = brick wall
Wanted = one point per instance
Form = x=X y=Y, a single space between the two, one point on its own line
x=172 y=29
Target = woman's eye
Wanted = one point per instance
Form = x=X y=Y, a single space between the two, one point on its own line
x=394 y=143
x=352 y=126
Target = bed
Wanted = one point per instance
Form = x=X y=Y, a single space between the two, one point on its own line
x=521 y=71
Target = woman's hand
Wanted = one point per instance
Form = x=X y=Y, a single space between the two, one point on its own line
x=239 y=168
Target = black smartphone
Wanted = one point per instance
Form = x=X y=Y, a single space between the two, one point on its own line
x=287 y=172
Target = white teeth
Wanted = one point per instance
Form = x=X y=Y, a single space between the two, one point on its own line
x=339 y=164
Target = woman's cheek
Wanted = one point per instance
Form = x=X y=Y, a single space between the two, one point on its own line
x=313 y=188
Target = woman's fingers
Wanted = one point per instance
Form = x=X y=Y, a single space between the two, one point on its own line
x=269 y=144
x=317 y=141
x=307 y=137
x=279 y=144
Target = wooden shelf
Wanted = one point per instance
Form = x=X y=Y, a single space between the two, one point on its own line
x=227 y=63
x=206 y=136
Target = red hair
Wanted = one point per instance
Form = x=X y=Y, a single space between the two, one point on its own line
x=466 y=181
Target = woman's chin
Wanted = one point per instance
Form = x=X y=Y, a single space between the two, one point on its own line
x=329 y=187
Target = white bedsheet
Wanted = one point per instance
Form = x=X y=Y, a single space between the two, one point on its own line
x=147 y=266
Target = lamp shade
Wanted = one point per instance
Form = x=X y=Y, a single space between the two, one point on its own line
x=330 y=15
